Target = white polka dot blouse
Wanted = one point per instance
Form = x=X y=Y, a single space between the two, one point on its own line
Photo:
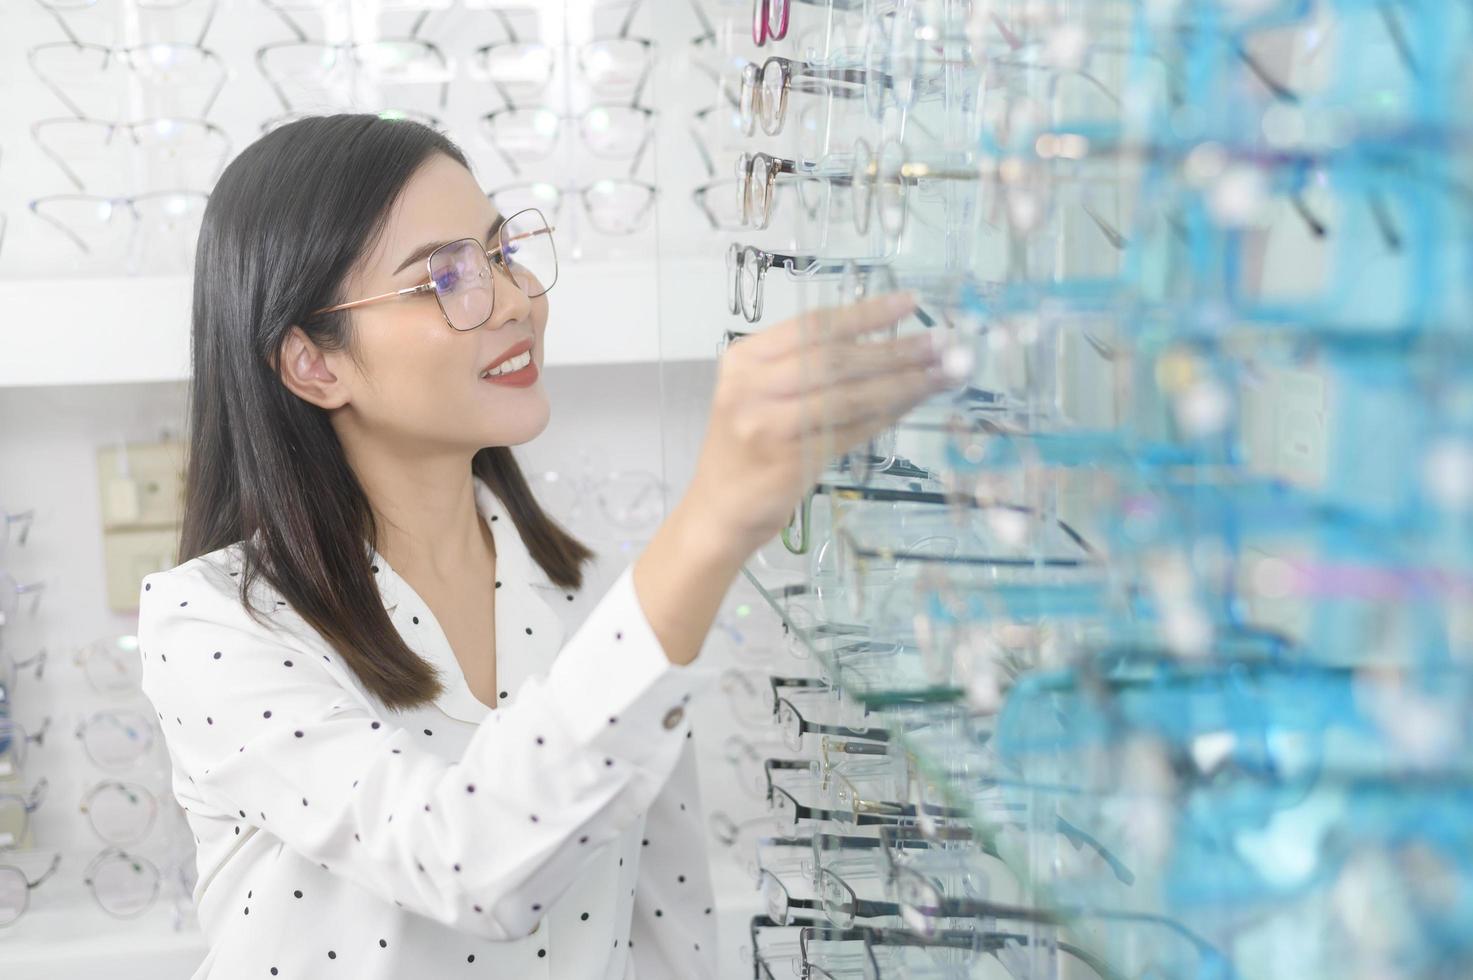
x=557 y=837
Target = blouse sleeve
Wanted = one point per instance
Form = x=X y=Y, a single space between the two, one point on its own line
x=257 y=724
x=673 y=932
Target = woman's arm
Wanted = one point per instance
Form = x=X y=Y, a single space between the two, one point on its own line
x=683 y=575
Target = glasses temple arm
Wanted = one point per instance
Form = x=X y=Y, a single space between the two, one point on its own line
x=629 y=19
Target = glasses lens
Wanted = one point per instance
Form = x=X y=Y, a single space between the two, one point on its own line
x=891 y=190
x=521 y=67
x=853 y=283
x=117 y=739
x=851 y=573
x=751 y=284
x=905 y=54
x=616 y=131
x=618 y=207
x=539 y=194
x=14 y=820
x=733 y=273
x=747 y=101
x=12 y=748
x=529 y=254
x=773 y=95
x=784 y=808
x=774 y=898
x=618 y=64
x=400 y=61
x=862 y=184
x=125 y=886
x=121 y=813
x=721 y=203
x=777 y=19
x=13 y=895
x=758 y=187
x=527 y=134
x=791 y=726
x=919 y=902
x=875 y=78
x=838 y=900
x=113 y=666
x=745 y=165
x=461 y=273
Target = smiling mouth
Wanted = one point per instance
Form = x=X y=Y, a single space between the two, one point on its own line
x=514 y=358
x=509 y=366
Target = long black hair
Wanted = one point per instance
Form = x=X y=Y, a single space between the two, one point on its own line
x=287 y=221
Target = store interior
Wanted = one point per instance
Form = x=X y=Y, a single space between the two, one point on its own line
x=1142 y=651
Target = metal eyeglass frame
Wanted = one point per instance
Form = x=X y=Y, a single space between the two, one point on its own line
x=638 y=219
x=128 y=56
x=352 y=48
x=429 y=285
x=862 y=908
x=136 y=793
x=203 y=126
x=26 y=805
x=622 y=34
x=646 y=115
x=797 y=265
x=803 y=726
x=820 y=80
x=131 y=202
x=30 y=885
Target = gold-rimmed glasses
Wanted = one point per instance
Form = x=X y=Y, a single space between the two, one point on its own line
x=462 y=273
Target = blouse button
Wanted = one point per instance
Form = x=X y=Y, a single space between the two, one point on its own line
x=673 y=716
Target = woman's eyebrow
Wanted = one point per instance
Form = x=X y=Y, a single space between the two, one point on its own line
x=423 y=252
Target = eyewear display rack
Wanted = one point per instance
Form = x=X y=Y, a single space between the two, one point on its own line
x=1144 y=651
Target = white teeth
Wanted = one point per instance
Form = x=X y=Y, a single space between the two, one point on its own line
x=509 y=365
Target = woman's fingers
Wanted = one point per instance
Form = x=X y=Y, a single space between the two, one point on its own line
x=829 y=325
x=822 y=368
x=868 y=405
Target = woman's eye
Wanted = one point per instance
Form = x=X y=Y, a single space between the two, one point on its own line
x=446 y=280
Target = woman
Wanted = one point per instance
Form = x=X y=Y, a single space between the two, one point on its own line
x=386 y=771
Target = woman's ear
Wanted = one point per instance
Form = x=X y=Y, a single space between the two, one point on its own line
x=303 y=367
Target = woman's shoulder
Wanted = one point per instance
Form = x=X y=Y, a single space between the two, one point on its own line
x=191 y=618
x=207 y=585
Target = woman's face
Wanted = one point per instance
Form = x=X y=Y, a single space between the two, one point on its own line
x=416 y=381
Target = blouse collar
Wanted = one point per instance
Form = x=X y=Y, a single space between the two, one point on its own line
x=528 y=632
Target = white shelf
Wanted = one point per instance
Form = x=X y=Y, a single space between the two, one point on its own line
x=73 y=331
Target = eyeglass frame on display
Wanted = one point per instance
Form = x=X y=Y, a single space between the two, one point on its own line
x=797 y=265
x=827 y=81
x=130 y=200
x=353 y=47
x=129 y=788
x=622 y=34
x=648 y=115
x=27 y=803
x=131 y=128
x=17 y=740
x=128 y=54
x=30 y=885
x=581 y=192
